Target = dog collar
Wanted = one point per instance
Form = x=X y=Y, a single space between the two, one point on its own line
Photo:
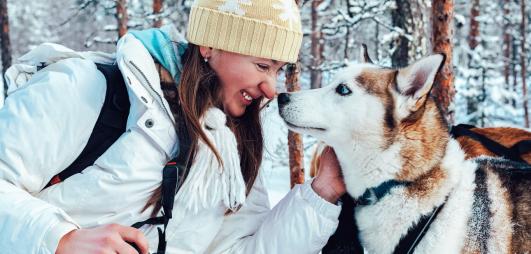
x=372 y=195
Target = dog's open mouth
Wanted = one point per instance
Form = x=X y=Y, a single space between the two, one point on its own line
x=303 y=127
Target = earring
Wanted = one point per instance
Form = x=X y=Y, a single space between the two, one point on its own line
x=206 y=59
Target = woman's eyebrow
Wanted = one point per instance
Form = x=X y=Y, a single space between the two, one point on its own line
x=276 y=63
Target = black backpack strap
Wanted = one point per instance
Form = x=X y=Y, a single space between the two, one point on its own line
x=110 y=125
x=522 y=147
x=170 y=176
x=173 y=177
x=415 y=234
x=491 y=145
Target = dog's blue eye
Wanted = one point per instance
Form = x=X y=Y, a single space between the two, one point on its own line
x=343 y=90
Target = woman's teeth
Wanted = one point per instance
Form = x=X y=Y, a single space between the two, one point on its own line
x=247 y=96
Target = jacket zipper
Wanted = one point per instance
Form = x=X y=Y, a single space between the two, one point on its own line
x=160 y=99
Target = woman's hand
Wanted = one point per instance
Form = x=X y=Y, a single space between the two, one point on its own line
x=329 y=182
x=111 y=238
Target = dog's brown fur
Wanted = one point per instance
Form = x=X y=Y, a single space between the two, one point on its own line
x=503 y=135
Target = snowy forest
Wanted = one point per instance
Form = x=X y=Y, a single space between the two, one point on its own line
x=485 y=42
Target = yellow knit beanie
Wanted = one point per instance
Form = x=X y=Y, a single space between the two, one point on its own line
x=262 y=28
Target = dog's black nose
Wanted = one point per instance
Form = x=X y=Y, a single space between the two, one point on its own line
x=283 y=99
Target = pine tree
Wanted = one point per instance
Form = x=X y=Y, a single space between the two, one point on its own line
x=409 y=17
x=401 y=18
x=473 y=64
x=295 y=143
x=485 y=95
x=442 y=35
x=317 y=46
x=419 y=45
x=507 y=38
x=523 y=60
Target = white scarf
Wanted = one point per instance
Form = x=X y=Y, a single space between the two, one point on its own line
x=208 y=183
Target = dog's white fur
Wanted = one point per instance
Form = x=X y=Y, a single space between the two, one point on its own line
x=500 y=214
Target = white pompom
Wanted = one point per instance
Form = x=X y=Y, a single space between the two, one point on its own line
x=208 y=183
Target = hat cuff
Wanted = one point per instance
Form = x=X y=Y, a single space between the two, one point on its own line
x=226 y=31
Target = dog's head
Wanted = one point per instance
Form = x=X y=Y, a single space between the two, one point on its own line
x=365 y=103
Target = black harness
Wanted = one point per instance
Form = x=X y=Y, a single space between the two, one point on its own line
x=409 y=242
x=110 y=125
x=344 y=241
x=513 y=153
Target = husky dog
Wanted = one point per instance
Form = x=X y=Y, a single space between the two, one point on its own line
x=400 y=164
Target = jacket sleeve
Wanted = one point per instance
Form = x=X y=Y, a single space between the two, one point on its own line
x=43 y=127
x=301 y=222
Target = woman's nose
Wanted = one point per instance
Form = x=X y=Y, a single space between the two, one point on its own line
x=269 y=88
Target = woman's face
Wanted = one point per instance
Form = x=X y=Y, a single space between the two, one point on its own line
x=243 y=78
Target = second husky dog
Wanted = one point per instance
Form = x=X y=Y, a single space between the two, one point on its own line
x=401 y=165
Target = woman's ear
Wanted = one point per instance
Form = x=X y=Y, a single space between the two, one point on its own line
x=206 y=52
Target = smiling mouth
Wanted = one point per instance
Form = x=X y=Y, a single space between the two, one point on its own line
x=304 y=127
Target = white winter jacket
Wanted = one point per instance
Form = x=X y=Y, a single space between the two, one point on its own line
x=46 y=123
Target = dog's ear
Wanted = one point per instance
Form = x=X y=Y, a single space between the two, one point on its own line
x=416 y=80
x=364 y=54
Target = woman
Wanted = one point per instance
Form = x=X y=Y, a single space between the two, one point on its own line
x=219 y=80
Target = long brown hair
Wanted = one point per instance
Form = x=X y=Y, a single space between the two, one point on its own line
x=198 y=90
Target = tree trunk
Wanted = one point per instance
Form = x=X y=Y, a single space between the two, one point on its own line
x=473 y=33
x=506 y=44
x=401 y=17
x=6 y=42
x=523 y=61
x=483 y=97
x=121 y=17
x=317 y=47
x=514 y=61
x=442 y=32
x=157 y=8
x=419 y=46
x=295 y=145
x=376 y=43
x=473 y=41
x=346 y=52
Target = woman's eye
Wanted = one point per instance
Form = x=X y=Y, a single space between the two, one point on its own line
x=343 y=90
x=263 y=67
